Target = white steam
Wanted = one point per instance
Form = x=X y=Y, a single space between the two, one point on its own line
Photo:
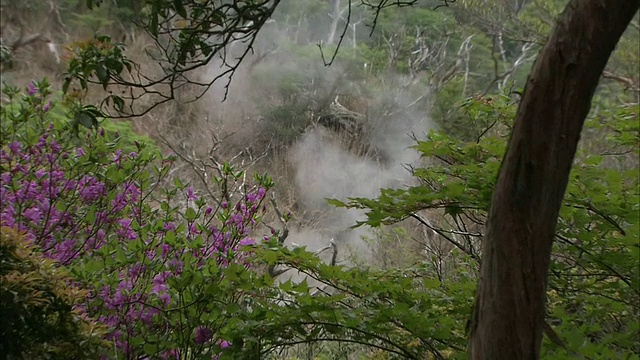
x=323 y=167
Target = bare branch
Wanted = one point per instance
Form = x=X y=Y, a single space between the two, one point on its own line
x=344 y=32
x=629 y=83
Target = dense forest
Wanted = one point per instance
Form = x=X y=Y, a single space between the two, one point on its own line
x=320 y=179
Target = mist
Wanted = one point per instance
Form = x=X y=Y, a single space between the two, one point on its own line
x=322 y=167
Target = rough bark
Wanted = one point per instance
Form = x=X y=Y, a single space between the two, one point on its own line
x=508 y=316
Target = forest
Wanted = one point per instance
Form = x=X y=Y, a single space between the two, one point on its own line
x=320 y=179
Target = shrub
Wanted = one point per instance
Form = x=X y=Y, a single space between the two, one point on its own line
x=40 y=315
x=164 y=281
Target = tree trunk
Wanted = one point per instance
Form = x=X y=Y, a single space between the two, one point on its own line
x=335 y=15
x=509 y=313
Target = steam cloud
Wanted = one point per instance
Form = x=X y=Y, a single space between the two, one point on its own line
x=324 y=168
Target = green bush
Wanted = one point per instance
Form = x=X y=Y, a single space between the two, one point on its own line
x=40 y=318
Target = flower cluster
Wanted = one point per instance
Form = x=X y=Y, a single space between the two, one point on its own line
x=152 y=273
x=40 y=198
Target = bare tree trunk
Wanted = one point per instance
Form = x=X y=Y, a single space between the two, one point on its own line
x=508 y=316
x=336 y=15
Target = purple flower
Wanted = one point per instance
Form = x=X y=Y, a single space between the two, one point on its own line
x=79 y=152
x=132 y=191
x=15 y=147
x=33 y=214
x=97 y=241
x=193 y=229
x=136 y=270
x=224 y=344
x=47 y=106
x=40 y=173
x=168 y=226
x=32 y=89
x=158 y=288
x=203 y=334
x=117 y=156
x=119 y=202
x=191 y=195
x=246 y=242
x=165 y=298
x=55 y=146
x=176 y=265
x=147 y=315
x=126 y=231
x=65 y=251
x=164 y=250
x=169 y=354
x=4 y=157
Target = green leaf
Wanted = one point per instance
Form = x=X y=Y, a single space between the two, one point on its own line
x=118 y=102
x=92 y=266
x=190 y=214
x=177 y=4
x=86 y=120
x=153 y=25
x=121 y=257
x=150 y=349
x=103 y=75
x=65 y=84
x=336 y=203
x=170 y=238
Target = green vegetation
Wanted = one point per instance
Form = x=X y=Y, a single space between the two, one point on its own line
x=111 y=249
x=39 y=305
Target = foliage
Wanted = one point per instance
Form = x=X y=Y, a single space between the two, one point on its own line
x=99 y=56
x=187 y=37
x=39 y=305
x=594 y=284
x=105 y=14
x=406 y=313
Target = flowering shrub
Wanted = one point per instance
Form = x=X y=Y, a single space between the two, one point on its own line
x=170 y=274
x=165 y=280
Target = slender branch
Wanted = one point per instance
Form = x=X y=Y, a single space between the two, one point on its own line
x=342 y=35
x=445 y=236
x=597 y=260
x=628 y=82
